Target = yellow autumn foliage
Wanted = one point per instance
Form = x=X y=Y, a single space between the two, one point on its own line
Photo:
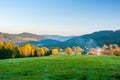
x=68 y=50
x=55 y=51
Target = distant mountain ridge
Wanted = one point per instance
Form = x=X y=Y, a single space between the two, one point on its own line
x=38 y=40
x=96 y=39
x=58 y=37
x=20 y=37
x=41 y=42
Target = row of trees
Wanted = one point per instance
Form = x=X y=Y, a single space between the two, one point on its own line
x=9 y=50
x=112 y=50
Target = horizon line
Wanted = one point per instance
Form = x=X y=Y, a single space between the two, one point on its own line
x=60 y=34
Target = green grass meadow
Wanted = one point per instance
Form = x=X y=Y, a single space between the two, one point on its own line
x=61 y=67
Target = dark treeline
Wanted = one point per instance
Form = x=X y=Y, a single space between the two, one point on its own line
x=9 y=50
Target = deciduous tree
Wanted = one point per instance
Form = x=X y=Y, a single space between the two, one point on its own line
x=68 y=50
x=55 y=51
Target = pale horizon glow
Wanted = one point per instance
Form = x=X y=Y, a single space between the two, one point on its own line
x=59 y=17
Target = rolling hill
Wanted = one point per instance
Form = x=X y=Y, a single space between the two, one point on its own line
x=61 y=67
x=40 y=42
x=17 y=38
x=58 y=37
x=37 y=40
x=95 y=40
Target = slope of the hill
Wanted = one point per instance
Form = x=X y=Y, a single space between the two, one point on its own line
x=20 y=37
x=69 y=67
x=96 y=39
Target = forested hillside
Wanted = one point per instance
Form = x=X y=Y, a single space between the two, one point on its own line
x=96 y=39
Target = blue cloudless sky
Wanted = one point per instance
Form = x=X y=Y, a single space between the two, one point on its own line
x=63 y=17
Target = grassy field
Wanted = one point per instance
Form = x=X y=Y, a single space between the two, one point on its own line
x=69 y=67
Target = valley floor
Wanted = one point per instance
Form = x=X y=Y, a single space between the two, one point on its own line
x=62 y=67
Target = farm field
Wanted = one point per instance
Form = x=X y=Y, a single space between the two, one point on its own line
x=61 y=67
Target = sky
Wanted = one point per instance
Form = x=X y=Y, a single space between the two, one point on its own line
x=60 y=17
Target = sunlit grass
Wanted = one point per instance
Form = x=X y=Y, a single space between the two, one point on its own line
x=62 y=67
